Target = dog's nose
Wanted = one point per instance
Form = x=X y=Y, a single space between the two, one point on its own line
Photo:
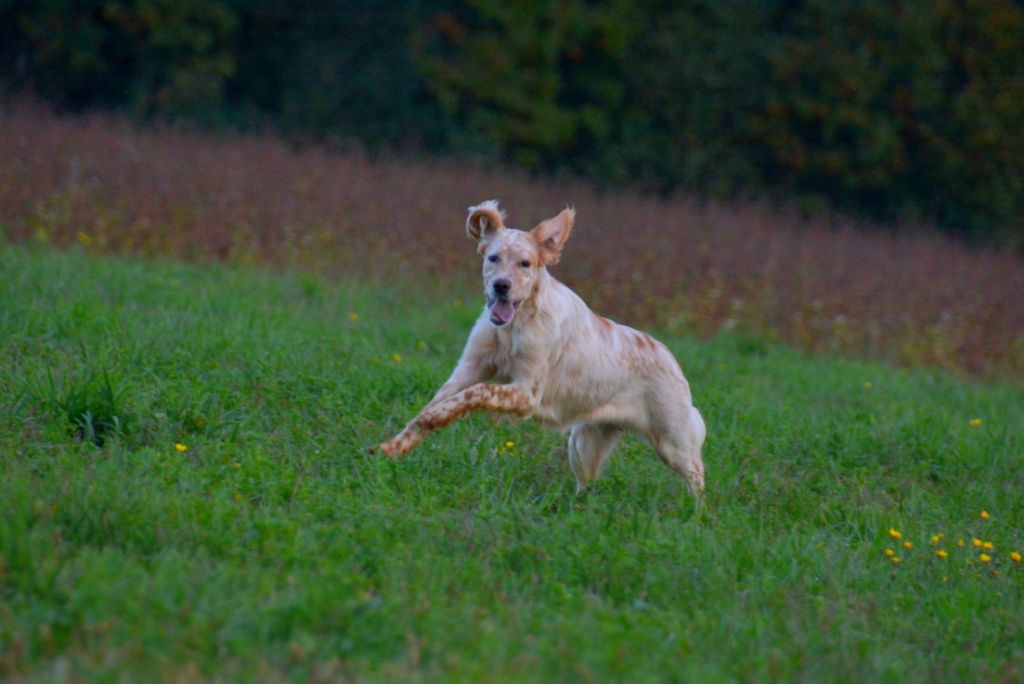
x=501 y=287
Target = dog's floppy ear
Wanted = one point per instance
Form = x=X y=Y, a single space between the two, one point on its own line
x=550 y=235
x=484 y=220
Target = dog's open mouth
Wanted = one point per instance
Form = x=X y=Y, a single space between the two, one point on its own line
x=502 y=310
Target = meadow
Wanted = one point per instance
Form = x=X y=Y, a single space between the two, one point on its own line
x=186 y=494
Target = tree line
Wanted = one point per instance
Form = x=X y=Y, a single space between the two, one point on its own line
x=886 y=109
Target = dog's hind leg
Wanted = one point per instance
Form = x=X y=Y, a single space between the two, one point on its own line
x=590 y=445
x=678 y=442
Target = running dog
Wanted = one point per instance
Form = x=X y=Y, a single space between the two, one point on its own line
x=537 y=351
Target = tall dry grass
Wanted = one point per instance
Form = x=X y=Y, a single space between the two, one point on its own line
x=911 y=296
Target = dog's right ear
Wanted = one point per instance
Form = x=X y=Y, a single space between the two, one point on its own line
x=484 y=221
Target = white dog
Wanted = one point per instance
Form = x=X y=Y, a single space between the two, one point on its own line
x=555 y=360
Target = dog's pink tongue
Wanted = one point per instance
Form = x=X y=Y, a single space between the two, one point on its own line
x=502 y=312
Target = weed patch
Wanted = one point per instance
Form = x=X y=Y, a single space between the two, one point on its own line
x=90 y=404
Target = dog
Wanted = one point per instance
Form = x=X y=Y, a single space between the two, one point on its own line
x=537 y=351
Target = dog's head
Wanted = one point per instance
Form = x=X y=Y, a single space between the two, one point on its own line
x=514 y=259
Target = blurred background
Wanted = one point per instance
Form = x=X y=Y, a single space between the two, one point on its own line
x=907 y=111
x=843 y=176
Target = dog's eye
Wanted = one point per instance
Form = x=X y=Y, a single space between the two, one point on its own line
x=524 y=263
x=493 y=258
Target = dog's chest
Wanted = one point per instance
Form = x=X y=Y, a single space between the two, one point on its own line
x=514 y=355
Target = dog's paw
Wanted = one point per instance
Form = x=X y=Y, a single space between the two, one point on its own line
x=389 y=449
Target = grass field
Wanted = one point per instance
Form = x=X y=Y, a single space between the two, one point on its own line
x=185 y=493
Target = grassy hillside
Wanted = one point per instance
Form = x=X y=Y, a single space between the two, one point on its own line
x=186 y=493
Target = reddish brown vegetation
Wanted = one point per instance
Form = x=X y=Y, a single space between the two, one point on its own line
x=914 y=297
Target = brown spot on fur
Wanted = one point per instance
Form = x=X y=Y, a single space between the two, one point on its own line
x=643 y=341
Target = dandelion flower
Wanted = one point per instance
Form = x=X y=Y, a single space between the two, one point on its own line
x=907 y=545
x=867 y=385
x=353 y=317
x=941 y=553
x=895 y=559
x=975 y=422
x=396 y=357
x=509 y=445
x=984 y=558
x=936 y=538
x=181 y=448
x=894 y=533
x=987 y=546
x=960 y=542
x=890 y=553
x=984 y=515
x=1015 y=555
x=977 y=542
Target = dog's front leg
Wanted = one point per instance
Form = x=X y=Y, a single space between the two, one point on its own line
x=514 y=399
x=473 y=368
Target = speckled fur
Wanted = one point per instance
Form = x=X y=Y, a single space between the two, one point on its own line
x=560 y=363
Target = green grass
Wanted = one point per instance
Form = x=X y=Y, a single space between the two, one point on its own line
x=275 y=548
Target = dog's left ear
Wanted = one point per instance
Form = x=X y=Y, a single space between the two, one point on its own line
x=550 y=235
x=484 y=220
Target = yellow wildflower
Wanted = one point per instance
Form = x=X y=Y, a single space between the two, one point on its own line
x=1015 y=555
x=867 y=385
x=907 y=545
x=987 y=546
x=895 y=559
x=353 y=317
x=890 y=553
x=984 y=558
x=977 y=542
x=960 y=542
x=396 y=357
x=975 y=422
x=509 y=445
x=936 y=538
x=984 y=515
x=941 y=553
x=895 y=534
x=181 y=448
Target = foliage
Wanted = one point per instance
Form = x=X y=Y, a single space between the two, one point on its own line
x=539 y=81
x=152 y=55
x=240 y=531
x=878 y=109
